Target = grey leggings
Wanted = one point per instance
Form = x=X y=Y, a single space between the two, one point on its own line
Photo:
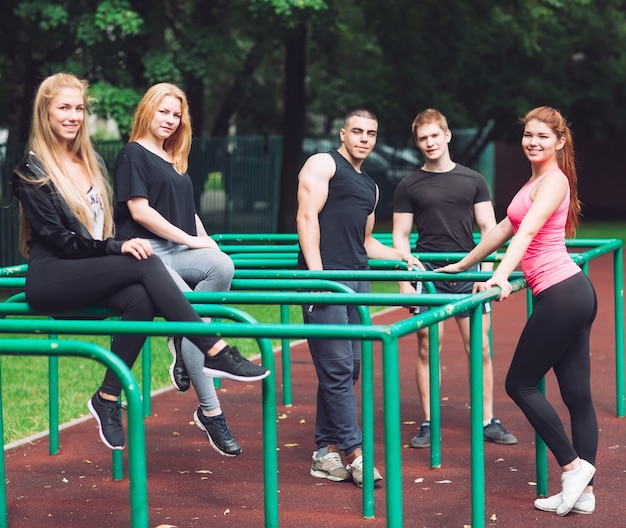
x=205 y=270
x=556 y=337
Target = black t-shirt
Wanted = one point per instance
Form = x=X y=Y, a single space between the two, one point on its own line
x=141 y=173
x=351 y=199
x=442 y=204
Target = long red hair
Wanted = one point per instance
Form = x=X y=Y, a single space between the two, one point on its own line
x=565 y=158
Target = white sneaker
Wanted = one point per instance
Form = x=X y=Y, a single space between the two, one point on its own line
x=551 y=504
x=329 y=467
x=573 y=484
x=356 y=470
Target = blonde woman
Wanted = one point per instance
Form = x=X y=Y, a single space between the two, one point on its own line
x=73 y=261
x=154 y=200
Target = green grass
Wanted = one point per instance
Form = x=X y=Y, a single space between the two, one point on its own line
x=25 y=379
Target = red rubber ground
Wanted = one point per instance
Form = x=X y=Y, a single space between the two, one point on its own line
x=191 y=486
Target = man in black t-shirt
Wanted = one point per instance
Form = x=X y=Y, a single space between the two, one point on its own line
x=444 y=200
x=335 y=219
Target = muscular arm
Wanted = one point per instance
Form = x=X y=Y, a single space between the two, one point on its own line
x=401 y=237
x=313 y=182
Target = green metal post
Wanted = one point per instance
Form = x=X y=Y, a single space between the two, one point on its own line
x=270 y=437
x=393 y=441
x=435 y=395
x=367 y=418
x=618 y=277
x=286 y=358
x=53 y=402
x=146 y=376
x=4 y=519
x=136 y=435
x=476 y=418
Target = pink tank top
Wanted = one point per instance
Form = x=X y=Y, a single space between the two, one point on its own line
x=546 y=261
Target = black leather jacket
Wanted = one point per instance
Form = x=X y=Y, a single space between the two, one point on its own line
x=53 y=225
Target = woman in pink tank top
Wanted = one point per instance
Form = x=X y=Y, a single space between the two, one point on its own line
x=541 y=215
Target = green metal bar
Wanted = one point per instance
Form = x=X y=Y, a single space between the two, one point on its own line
x=4 y=518
x=618 y=296
x=435 y=395
x=12 y=271
x=285 y=350
x=136 y=435
x=446 y=311
x=146 y=377
x=53 y=402
x=477 y=441
x=393 y=441
x=367 y=423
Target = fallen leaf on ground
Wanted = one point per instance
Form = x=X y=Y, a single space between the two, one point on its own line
x=291 y=445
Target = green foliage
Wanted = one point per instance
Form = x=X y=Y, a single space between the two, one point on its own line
x=116 y=103
x=287 y=7
x=47 y=16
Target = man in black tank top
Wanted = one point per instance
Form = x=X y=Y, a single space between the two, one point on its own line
x=336 y=204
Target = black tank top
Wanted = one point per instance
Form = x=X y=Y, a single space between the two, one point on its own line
x=351 y=199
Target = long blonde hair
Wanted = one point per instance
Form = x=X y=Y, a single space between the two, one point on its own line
x=552 y=118
x=178 y=145
x=48 y=151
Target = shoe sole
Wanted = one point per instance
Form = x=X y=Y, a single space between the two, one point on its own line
x=419 y=446
x=97 y=417
x=212 y=373
x=573 y=510
x=500 y=442
x=213 y=444
x=172 y=348
x=322 y=474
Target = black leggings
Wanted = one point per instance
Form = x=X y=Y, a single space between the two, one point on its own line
x=136 y=289
x=557 y=336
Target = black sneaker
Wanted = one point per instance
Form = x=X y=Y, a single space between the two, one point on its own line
x=422 y=438
x=108 y=414
x=178 y=371
x=496 y=432
x=229 y=363
x=218 y=433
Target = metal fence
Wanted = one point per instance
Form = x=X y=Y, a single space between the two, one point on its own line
x=237 y=180
x=236 y=186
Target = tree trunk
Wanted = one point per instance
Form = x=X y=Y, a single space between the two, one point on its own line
x=293 y=127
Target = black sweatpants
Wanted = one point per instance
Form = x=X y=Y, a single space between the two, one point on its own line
x=136 y=289
x=556 y=336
